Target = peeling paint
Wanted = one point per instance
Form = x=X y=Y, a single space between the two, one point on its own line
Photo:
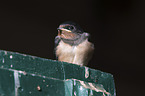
x=22 y=72
x=74 y=82
x=44 y=76
x=5 y=52
x=91 y=93
x=38 y=88
x=86 y=72
x=24 y=55
x=3 y=60
x=33 y=74
x=75 y=94
x=91 y=86
x=33 y=57
x=95 y=87
x=11 y=66
x=81 y=88
x=11 y=56
x=17 y=82
x=114 y=92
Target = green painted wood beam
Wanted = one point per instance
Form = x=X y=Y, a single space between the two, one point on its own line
x=25 y=75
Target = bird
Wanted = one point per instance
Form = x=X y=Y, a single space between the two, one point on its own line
x=72 y=44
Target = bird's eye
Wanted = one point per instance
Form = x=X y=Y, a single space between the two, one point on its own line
x=70 y=27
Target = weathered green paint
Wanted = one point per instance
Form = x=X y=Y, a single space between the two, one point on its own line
x=25 y=75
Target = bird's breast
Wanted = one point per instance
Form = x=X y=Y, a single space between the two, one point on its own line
x=65 y=52
x=79 y=54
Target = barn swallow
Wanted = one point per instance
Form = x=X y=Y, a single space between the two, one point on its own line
x=72 y=44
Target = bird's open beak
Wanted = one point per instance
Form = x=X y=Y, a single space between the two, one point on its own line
x=64 y=29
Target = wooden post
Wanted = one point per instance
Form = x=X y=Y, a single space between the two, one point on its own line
x=25 y=75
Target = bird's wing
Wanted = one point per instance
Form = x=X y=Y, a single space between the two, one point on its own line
x=57 y=40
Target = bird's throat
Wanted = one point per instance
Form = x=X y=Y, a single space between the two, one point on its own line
x=74 y=41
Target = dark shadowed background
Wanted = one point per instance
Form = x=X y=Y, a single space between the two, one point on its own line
x=116 y=28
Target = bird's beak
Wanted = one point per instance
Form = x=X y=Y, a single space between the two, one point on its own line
x=64 y=29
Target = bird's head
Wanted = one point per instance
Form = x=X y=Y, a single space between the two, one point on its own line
x=69 y=30
x=71 y=33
